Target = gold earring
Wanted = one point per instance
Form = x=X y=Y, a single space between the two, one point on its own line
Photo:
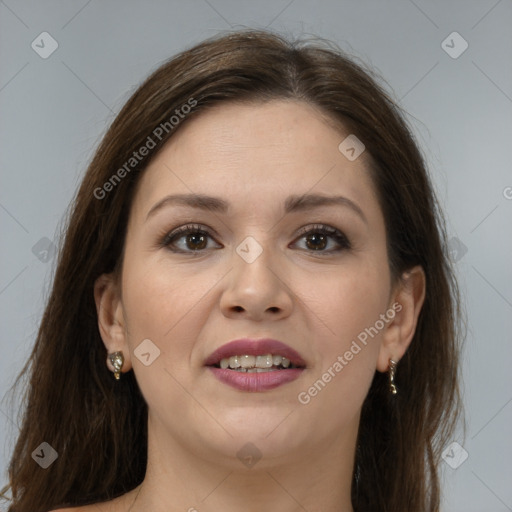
x=392 y=371
x=117 y=360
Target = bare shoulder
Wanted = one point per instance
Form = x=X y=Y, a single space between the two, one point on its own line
x=118 y=504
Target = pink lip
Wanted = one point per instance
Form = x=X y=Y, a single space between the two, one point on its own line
x=255 y=381
x=255 y=348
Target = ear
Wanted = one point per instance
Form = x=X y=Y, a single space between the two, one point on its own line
x=111 y=319
x=407 y=301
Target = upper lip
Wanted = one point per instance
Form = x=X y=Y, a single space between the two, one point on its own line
x=254 y=347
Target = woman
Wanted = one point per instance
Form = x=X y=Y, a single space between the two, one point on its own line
x=253 y=308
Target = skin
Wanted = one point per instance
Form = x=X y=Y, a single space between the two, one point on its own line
x=188 y=304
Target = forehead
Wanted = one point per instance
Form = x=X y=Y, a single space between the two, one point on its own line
x=257 y=152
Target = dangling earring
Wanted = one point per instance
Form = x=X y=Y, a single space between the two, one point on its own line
x=392 y=371
x=117 y=360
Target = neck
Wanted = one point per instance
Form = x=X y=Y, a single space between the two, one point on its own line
x=186 y=479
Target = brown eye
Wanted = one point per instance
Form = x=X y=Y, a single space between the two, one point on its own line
x=187 y=239
x=316 y=241
x=318 y=237
x=196 y=241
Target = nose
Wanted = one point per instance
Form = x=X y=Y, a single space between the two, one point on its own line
x=257 y=290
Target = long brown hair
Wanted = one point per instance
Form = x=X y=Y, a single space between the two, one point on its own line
x=72 y=401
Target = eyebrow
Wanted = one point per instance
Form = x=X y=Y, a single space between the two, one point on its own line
x=294 y=203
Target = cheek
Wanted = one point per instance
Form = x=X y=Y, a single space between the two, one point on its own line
x=160 y=304
x=164 y=303
x=347 y=301
x=347 y=306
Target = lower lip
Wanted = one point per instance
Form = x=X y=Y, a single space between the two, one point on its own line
x=255 y=381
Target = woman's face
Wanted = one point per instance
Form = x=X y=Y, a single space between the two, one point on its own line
x=255 y=272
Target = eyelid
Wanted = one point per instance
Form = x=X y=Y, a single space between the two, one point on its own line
x=336 y=234
x=318 y=227
x=168 y=236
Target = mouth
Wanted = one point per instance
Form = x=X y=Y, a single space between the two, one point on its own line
x=246 y=354
x=255 y=365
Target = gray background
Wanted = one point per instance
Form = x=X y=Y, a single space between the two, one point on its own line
x=54 y=111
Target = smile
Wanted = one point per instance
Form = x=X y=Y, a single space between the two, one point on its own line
x=255 y=365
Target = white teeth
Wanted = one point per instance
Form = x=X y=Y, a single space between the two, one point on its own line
x=247 y=361
x=234 y=362
x=264 y=361
x=254 y=364
x=255 y=370
x=277 y=360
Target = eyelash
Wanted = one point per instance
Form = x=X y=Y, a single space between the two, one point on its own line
x=195 y=229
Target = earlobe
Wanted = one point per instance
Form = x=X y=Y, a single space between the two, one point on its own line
x=407 y=303
x=111 y=319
